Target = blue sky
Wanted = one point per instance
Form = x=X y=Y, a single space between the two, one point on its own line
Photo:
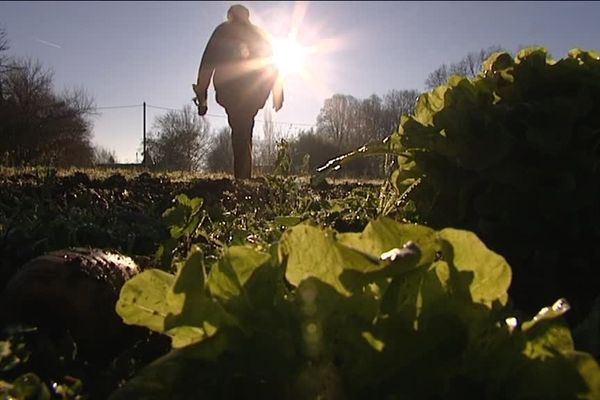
x=125 y=53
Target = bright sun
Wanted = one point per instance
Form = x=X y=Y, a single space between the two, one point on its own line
x=289 y=56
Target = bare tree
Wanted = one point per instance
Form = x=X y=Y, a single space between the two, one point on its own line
x=39 y=126
x=438 y=77
x=26 y=92
x=369 y=121
x=220 y=155
x=397 y=103
x=266 y=147
x=3 y=59
x=68 y=139
x=469 y=66
x=179 y=141
x=28 y=83
x=3 y=41
x=104 y=156
x=337 y=120
x=350 y=123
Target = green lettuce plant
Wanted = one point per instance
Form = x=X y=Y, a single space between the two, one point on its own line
x=395 y=311
x=514 y=156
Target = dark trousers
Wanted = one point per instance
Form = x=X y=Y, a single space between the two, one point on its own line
x=241 y=122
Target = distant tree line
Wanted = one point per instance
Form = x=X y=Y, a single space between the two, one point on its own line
x=344 y=124
x=38 y=125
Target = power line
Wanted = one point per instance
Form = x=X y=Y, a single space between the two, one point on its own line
x=224 y=116
x=176 y=110
x=208 y=115
x=287 y=123
x=162 y=108
x=114 y=107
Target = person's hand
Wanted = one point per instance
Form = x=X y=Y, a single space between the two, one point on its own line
x=277 y=100
x=277 y=92
x=202 y=106
x=200 y=101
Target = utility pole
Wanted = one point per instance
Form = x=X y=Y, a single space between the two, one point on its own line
x=144 y=145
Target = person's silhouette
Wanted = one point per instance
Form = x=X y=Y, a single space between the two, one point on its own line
x=240 y=56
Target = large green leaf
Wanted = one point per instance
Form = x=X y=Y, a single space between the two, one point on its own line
x=496 y=62
x=243 y=279
x=385 y=234
x=547 y=339
x=228 y=277
x=313 y=252
x=489 y=273
x=142 y=299
x=194 y=314
x=429 y=104
x=188 y=292
x=177 y=306
x=534 y=54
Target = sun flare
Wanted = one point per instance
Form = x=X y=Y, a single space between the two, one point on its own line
x=301 y=52
x=289 y=56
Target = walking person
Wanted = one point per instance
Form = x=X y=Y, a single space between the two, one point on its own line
x=238 y=58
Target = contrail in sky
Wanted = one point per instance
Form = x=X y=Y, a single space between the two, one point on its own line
x=48 y=43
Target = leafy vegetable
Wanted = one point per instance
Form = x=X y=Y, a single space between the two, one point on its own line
x=512 y=155
x=396 y=311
